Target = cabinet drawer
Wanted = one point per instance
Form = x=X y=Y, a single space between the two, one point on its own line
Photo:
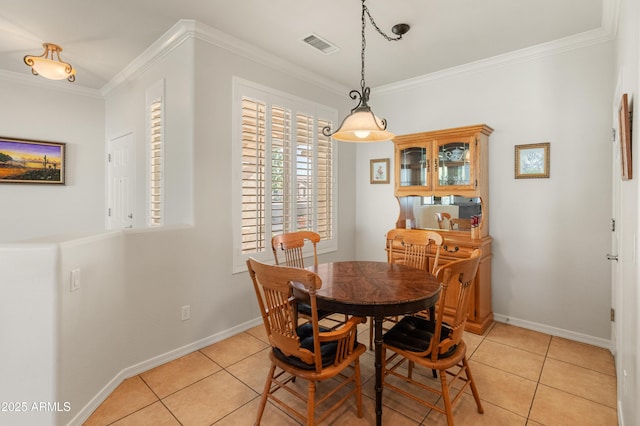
x=452 y=250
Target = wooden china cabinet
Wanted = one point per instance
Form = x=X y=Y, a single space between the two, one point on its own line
x=447 y=171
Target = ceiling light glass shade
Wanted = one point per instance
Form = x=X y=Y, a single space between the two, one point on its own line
x=48 y=67
x=363 y=126
x=53 y=70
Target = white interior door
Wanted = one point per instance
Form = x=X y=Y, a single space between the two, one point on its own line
x=615 y=226
x=121 y=182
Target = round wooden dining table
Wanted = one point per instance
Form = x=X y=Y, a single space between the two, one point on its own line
x=373 y=289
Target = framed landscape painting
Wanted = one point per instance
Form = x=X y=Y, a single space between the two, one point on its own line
x=28 y=161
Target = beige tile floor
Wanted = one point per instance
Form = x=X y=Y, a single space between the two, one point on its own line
x=524 y=378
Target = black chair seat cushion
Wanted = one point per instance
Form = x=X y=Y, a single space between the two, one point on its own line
x=305 y=309
x=327 y=349
x=414 y=334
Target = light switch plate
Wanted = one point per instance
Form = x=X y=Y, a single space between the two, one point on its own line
x=74 y=283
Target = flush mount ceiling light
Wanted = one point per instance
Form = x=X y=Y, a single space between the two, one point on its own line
x=362 y=125
x=48 y=67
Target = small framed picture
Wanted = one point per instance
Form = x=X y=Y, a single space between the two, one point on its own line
x=28 y=161
x=379 y=170
x=532 y=160
x=625 y=138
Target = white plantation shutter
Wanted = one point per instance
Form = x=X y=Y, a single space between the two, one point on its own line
x=280 y=170
x=155 y=110
x=287 y=178
x=253 y=175
x=324 y=182
x=304 y=180
x=155 y=154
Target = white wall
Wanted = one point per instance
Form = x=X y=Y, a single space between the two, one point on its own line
x=28 y=325
x=92 y=323
x=42 y=112
x=126 y=113
x=627 y=77
x=550 y=235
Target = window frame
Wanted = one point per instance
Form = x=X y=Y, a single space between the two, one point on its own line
x=244 y=88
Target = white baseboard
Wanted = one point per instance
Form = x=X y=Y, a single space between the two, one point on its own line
x=571 y=335
x=620 y=414
x=143 y=366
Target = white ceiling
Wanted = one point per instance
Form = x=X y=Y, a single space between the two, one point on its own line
x=101 y=37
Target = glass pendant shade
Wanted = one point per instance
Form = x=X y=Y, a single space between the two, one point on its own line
x=48 y=67
x=362 y=126
x=53 y=70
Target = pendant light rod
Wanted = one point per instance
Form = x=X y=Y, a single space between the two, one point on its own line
x=362 y=125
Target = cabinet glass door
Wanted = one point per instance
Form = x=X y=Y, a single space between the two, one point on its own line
x=455 y=168
x=414 y=163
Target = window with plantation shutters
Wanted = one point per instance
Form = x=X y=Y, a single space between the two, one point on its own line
x=286 y=169
x=155 y=150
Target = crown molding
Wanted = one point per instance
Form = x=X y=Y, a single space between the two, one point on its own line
x=172 y=39
x=606 y=32
x=524 y=55
x=42 y=83
x=188 y=28
x=220 y=39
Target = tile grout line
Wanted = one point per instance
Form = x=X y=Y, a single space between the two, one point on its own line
x=161 y=400
x=535 y=392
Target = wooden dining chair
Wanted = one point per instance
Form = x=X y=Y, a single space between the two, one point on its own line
x=458 y=224
x=440 y=218
x=309 y=352
x=436 y=345
x=288 y=250
x=290 y=246
x=417 y=248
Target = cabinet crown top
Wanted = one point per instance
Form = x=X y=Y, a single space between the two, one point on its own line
x=456 y=131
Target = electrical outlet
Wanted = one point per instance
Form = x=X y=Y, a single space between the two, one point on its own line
x=186 y=312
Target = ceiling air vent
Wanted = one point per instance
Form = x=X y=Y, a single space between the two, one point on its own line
x=319 y=43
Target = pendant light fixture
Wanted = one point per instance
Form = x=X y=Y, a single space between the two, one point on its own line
x=362 y=125
x=49 y=67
